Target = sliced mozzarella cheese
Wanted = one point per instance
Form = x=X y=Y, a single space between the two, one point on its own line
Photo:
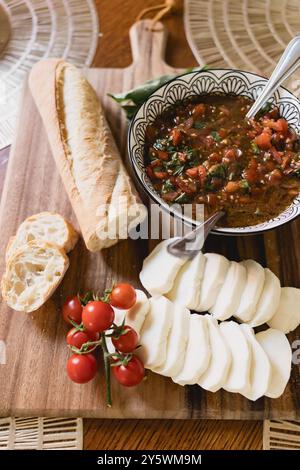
x=197 y=354
x=229 y=296
x=276 y=346
x=177 y=341
x=154 y=333
x=239 y=372
x=216 y=374
x=215 y=271
x=260 y=370
x=186 y=288
x=160 y=269
x=287 y=316
x=252 y=290
x=268 y=301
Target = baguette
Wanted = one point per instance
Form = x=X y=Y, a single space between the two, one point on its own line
x=32 y=274
x=45 y=226
x=100 y=191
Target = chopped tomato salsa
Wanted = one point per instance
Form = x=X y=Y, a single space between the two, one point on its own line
x=204 y=151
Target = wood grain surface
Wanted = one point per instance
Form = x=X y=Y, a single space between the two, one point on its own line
x=116 y=16
x=35 y=387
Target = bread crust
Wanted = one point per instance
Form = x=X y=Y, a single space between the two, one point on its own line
x=101 y=177
x=15 y=258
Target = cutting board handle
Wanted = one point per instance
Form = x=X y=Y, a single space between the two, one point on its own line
x=148 y=45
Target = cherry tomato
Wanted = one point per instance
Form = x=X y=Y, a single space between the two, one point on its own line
x=126 y=342
x=123 y=296
x=81 y=368
x=130 y=374
x=77 y=338
x=72 y=310
x=97 y=316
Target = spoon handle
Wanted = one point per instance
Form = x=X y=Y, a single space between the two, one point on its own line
x=190 y=244
x=288 y=63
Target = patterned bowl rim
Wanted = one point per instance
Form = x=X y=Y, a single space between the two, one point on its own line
x=235 y=231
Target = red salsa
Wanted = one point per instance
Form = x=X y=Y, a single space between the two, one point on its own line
x=204 y=151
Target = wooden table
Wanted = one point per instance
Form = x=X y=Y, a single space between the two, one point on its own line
x=116 y=16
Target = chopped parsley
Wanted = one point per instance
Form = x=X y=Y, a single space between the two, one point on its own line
x=255 y=148
x=167 y=187
x=244 y=185
x=216 y=136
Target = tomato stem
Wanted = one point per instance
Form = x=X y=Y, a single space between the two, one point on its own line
x=106 y=360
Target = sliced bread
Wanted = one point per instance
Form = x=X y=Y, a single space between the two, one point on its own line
x=32 y=274
x=45 y=226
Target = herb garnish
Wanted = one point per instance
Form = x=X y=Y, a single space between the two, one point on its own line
x=216 y=136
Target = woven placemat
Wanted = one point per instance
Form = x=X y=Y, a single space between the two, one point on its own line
x=281 y=435
x=242 y=34
x=41 y=434
x=41 y=29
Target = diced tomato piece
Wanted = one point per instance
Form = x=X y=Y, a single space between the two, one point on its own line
x=176 y=136
x=202 y=172
x=263 y=141
x=192 y=172
x=275 y=177
x=149 y=172
x=188 y=187
x=215 y=157
x=251 y=175
x=199 y=110
x=230 y=154
x=155 y=163
x=169 y=197
x=222 y=133
x=280 y=125
x=162 y=155
x=276 y=155
x=232 y=187
x=161 y=175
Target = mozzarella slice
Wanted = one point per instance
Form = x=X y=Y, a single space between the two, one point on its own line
x=287 y=316
x=197 y=354
x=160 y=269
x=276 y=346
x=268 y=301
x=260 y=370
x=186 y=288
x=177 y=341
x=229 y=296
x=216 y=374
x=239 y=372
x=154 y=333
x=215 y=271
x=252 y=290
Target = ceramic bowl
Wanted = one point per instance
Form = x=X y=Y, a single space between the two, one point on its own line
x=215 y=81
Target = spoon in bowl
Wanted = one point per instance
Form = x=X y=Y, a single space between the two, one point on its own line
x=288 y=63
x=190 y=244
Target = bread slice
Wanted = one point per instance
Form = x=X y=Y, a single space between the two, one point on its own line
x=32 y=274
x=103 y=198
x=45 y=226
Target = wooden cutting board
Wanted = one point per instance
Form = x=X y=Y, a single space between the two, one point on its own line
x=33 y=381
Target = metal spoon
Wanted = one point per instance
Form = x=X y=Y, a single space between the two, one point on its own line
x=288 y=63
x=189 y=245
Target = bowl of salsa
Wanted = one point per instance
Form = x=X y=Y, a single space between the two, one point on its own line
x=190 y=143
